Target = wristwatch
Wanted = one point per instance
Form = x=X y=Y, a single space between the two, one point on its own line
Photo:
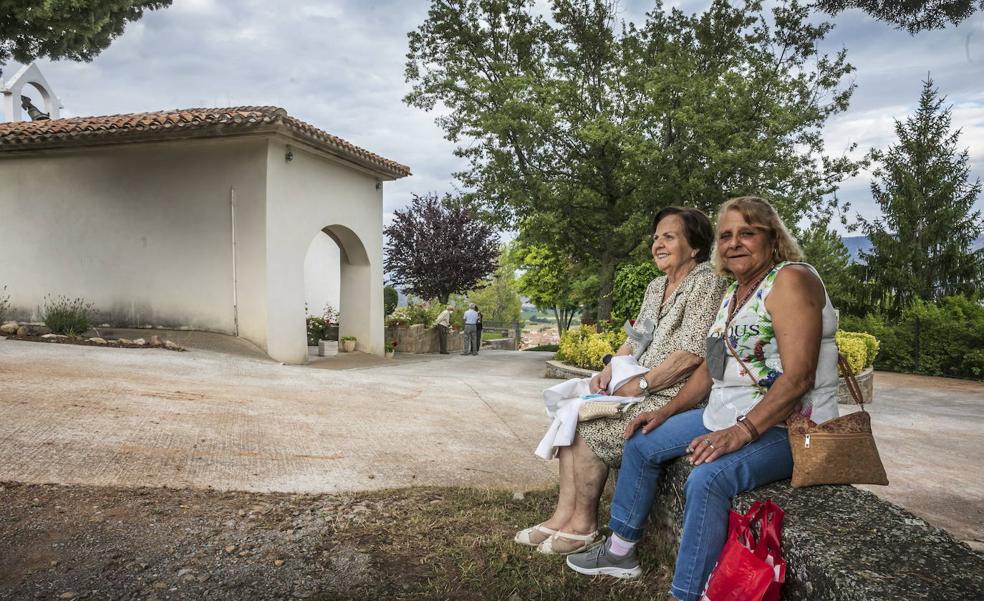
x=643 y=384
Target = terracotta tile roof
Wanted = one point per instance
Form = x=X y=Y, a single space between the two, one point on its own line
x=197 y=122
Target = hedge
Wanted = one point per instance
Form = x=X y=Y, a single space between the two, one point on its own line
x=585 y=347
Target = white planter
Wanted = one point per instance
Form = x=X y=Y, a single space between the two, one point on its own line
x=348 y=345
x=327 y=348
x=390 y=354
x=866 y=381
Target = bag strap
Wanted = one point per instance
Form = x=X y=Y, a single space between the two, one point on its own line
x=852 y=384
x=744 y=367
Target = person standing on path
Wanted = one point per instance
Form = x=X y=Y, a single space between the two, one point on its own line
x=443 y=323
x=478 y=332
x=471 y=331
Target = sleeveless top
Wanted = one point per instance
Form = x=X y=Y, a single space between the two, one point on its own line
x=751 y=335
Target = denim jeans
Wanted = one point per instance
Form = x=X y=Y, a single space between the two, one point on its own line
x=708 y=491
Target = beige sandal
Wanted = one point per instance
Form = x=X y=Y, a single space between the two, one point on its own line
x=565 y=543
x=534 y=536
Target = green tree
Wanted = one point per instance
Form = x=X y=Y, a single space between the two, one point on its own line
x=825 y=250
x=74 y=29
x=922 y=244
x=498 y=300
x=631 y=282
x=577 y=128
x=911 y=15
x=391 y=299
x=550 y=281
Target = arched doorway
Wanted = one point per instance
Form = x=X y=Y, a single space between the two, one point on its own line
x=337 y=271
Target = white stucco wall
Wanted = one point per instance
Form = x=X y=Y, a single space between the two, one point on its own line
x=304 y=196
x=321 y=274
x=144 y=231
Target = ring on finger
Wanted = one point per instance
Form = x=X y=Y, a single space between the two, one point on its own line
x=707 y=441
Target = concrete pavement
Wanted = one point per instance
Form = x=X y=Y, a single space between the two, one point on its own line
x=222 y=416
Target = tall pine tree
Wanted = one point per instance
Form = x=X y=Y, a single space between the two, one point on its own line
x=825 y=250
x=921 y=247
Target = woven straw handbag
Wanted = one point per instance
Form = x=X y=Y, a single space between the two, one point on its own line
x=838 y=451
x=593 y=410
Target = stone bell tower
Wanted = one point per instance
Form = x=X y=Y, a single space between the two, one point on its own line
x=13 y=102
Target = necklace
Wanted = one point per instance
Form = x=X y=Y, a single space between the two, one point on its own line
x=736 y=304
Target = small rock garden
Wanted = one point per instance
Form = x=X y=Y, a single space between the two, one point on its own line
x=69 y=321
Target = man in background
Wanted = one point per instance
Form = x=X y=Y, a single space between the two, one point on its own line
x=471 y=331
x=443 y=324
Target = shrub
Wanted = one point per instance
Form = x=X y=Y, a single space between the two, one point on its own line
x=317 y=330
x=859 y=348
x=4 y=303
x=70 y=317
x=390 y=300
x=629 y=288
x=423 y=313
x=951 y=337
x=584 y=347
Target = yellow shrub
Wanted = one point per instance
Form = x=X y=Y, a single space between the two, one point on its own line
x=586 y=348
x=859 y=348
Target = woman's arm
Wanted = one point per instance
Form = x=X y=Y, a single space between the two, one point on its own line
x=675 y=368
x=693 y=392
x=796 y=305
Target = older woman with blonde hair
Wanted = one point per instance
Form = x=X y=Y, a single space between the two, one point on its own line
x=770 y=351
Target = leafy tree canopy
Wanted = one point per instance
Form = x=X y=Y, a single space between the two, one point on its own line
x=577 y=128
x=498 y=300
x=825 y=250
x=552 y=282
x=74 y=29
x=434 y=249
x=921 y=246
x=911 y=15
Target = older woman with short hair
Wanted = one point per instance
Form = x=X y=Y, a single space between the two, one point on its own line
x=679 y=306
x=771 y=351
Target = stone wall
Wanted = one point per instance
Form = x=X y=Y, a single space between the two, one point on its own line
x=418 y=339
x=845 y=544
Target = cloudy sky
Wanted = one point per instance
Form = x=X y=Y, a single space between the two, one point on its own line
x=338 y=64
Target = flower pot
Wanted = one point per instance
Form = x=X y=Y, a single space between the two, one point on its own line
x=390 y=354
x=327 y=348
x=866 y=381
x=348 y=345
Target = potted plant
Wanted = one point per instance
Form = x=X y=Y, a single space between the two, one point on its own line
x=348 y=343
x=390 y=349
x=859 y=350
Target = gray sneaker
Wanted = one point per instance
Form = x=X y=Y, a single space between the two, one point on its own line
x=600 y=561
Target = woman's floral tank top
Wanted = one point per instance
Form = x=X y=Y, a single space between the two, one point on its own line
x=751 y=335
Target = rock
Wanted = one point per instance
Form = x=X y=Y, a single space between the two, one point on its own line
x=140 y=341
x=184 y=571
x=278 y=562
x=518 y=496
x=155 y=340
x=68 y=595
x=24 y=331
x=170 y=345
x=40 y=330
x=10 y=327
x=97 y=340
x=124 y=341
x=230 y=548
x=52 y=336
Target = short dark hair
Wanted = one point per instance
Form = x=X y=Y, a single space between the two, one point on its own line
x=696 y=227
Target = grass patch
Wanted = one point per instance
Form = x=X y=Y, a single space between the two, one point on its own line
x=553 y=348
x=443 y=543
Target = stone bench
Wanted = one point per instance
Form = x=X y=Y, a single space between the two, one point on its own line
x=842 y=543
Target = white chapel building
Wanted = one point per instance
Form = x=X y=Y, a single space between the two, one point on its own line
x=198 y=218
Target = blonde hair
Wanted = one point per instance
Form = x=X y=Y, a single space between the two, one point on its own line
x=759 y=213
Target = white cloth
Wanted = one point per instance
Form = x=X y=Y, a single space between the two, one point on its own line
x=563 y=402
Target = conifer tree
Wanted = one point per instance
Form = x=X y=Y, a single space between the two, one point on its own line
x=74 y=29
x=825 y=250
x=922 y=244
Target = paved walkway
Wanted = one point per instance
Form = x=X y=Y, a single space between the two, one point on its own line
x=234 y=420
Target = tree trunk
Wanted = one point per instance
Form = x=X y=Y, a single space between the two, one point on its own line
x=606 y=280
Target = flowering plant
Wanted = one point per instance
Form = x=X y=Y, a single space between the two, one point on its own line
x=390 y=346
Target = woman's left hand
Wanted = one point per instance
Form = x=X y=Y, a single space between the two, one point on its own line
x=708 y=447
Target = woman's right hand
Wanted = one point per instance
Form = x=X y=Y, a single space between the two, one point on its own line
x=648 y=420
x=600 y=381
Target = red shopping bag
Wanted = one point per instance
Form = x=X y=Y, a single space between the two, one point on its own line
x=750 y=568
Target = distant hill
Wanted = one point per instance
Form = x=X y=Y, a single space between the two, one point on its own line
x=856 y=244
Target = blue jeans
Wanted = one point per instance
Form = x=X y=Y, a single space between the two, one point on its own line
x=708 y=491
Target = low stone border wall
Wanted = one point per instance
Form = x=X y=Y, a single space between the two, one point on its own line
x=842 y=543
x=562 y=371
x=500 y=344
x=418 y=339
